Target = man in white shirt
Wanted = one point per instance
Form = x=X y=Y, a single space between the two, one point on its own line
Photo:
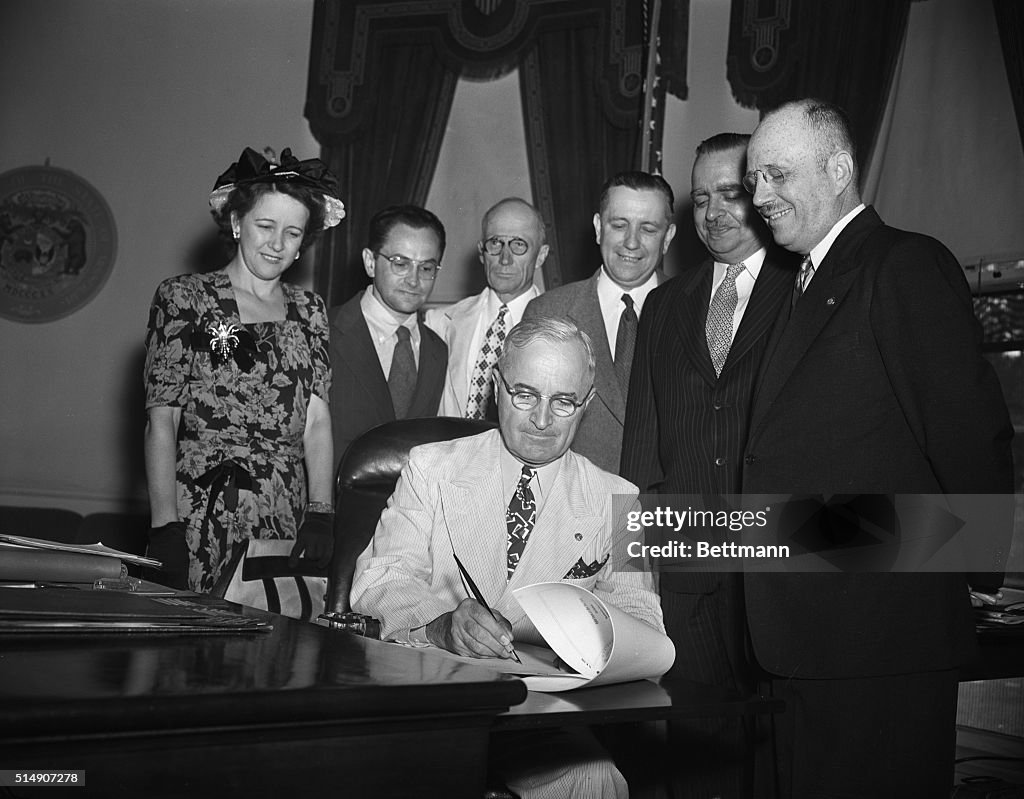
x=511 y=249
x=386 y=364
x=634 y=229
x=516 y=507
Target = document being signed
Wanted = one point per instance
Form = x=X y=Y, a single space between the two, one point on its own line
x=591 y=642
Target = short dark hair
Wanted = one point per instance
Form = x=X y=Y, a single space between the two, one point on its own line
x=722 y=142
x=638 y=181
x=411 y=215
x=243 y=199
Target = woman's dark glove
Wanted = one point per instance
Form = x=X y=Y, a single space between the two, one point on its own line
x=315 y=540
x=167 y=544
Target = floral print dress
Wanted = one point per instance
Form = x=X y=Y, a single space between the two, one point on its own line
x=243 y=391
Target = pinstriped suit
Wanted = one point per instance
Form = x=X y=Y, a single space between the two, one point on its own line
x=680 y=418
x=408 y=576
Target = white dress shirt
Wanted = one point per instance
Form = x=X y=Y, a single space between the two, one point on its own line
x=383 y=322
x=744 y=284
x=609 y=297
x=820 y=250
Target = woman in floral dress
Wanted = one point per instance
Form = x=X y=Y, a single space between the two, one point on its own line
x=238 y=437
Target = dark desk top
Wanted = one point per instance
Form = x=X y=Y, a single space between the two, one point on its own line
x=297 y=674
x=640 y=700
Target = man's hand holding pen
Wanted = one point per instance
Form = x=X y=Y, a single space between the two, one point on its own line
x=471 y=629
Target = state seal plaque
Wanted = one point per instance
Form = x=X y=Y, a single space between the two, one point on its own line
x=58 y=242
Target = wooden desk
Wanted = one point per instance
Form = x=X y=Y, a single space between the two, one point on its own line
x=641 y=700
x=300 y=709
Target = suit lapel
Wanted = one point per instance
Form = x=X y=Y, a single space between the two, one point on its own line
x=773 y=286
x=462 y=325
x=553 y=547
x=428 y=373
x=586 y=310
x=356 y=350
x=691 y=319
x=824 y=296
x=474 y=513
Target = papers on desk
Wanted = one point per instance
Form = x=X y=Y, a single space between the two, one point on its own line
x=591 y=642
x=52 y=609
x=83 y=549
x=601 y=643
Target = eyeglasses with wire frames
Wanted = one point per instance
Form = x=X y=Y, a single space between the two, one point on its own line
x=516 y=245
x=525 y=400
x=773 y=176
x=400 y=266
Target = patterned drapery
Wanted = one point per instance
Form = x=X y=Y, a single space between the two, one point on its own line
x=381 y=81
x=843 y=51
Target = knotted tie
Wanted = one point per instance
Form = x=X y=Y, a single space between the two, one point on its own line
x=718 y=328
x=520 y=516
x=802 y=279
x=625 y=341
x=480 y=383
x=402 y=377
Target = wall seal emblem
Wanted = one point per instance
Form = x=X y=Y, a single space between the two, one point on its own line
x=58 y=242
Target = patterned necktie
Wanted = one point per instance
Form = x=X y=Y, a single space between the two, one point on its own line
x=480 y=383
x=802 y=279
x=718 y=328
x=520 y=516
x=625 y=341
x=402 y=377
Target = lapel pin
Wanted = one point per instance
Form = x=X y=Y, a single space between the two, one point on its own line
x=830 y=301
x=579 y=536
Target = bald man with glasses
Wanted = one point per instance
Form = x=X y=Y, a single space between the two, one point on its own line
x=511 y=249
x=516 y=507
x=386 y=364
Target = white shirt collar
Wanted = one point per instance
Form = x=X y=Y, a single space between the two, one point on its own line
x=820 y=250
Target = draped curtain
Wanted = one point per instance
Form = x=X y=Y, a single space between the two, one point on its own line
x=1010 y=21
x=574 y=141
x=842 y=51
x=381 y=82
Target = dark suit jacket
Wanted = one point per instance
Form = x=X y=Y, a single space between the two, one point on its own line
x=874 y=384
x=359 y=395
x=599 y=436
x=686 y=427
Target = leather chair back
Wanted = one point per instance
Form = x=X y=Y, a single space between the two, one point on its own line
x=366 y=478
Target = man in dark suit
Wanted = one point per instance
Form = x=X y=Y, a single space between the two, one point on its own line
x=698 y=349
x=386 y=363
x=634 y=229
x=873 y=383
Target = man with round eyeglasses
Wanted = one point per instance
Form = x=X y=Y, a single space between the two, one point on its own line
x=873 y=383
x=511 y=249
x=516 y=507
x=387 y=364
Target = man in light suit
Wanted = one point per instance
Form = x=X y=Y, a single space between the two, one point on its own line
x=517 y=508
x=634 y=228
x=386 y=364
x=700 y=342
x=873 y=383
x=511 y=249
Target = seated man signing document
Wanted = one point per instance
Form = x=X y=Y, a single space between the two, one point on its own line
x=514 y=504
x=516 y=507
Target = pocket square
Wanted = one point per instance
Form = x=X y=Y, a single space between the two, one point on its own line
x=582 y=570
